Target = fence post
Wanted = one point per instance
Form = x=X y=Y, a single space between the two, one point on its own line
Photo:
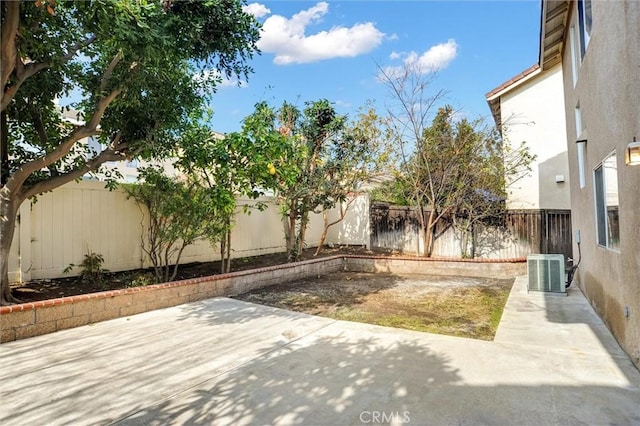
x=544 y=232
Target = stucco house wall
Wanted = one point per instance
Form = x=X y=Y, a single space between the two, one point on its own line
x=531 y=109
x=607 y=96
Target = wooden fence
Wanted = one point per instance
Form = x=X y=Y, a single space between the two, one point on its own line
x=523 y=232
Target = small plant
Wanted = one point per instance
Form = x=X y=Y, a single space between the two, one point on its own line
x=142 y=280
x=90 y=267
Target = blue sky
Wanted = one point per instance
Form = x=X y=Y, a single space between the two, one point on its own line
x=313 y=50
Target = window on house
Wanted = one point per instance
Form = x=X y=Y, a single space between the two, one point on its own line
x=585 y=22
x=580 y=147
x=606 y=197
x=575 y=59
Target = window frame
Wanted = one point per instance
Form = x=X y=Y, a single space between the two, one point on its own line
x=575 y=59
x=585 y=28
x=601 y=185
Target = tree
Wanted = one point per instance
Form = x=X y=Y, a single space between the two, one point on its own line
x=491 y=166
x=411 y=107
x=142 y=68
x=451 y=168
x=178 y=213
x=362 y=158
x=316 y=160
x=224 y=166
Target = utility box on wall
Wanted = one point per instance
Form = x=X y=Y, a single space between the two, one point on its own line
x=545 y=272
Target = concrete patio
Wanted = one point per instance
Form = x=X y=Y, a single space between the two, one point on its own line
x=221 y=361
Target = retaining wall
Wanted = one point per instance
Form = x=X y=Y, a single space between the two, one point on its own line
x=33 y=319
x=485 y=268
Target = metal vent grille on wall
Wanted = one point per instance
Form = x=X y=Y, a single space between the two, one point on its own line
x=546 y=272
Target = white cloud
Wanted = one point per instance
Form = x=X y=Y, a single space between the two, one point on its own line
x=233 y=82
x=286 y=38
x=256 y=9
x=435 y=59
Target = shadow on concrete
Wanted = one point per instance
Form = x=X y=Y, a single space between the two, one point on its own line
x=330 y=381
x=180 y=366
x=337 y=381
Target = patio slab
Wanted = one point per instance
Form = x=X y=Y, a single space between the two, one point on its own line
x=222 y=361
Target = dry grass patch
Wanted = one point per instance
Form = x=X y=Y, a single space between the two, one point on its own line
x=465 y=307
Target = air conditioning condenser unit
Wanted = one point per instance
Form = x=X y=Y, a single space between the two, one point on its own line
x=546 y=272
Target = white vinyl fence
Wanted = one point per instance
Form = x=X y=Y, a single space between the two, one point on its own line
x=84 y=217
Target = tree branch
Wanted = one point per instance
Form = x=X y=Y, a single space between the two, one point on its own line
x=23 y=72
x=11 y=11
x=108 y=154
x=89 y=129
x=107 y=74
x=76 y=47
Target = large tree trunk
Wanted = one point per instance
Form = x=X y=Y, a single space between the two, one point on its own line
x=8 y=213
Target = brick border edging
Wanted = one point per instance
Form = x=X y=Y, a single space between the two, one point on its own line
x=487 y=268
x=436 y=259
x=173 y=284
x=42 y=317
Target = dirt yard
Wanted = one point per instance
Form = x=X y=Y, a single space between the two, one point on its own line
x=465 y=307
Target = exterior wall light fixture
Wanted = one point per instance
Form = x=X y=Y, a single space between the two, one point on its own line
x=632 y=153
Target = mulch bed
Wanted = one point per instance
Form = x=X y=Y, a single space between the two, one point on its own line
x=71 y=286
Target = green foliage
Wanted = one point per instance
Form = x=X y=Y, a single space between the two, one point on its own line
x=142 y=71
x=395 y=191
x=314 y=158
x=163 y=62
x=459 y=171
x=180 y=212
x=142 y=280
x=90 y=268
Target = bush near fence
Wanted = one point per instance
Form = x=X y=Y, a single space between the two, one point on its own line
x=62 y=226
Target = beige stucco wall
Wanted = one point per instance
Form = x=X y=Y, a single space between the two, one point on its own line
x=534 y=112
x=608 y=93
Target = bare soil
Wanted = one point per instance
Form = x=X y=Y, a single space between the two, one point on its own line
x=71 y=286
x=465 y=307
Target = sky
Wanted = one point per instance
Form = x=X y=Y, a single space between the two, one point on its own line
x=332 y=50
